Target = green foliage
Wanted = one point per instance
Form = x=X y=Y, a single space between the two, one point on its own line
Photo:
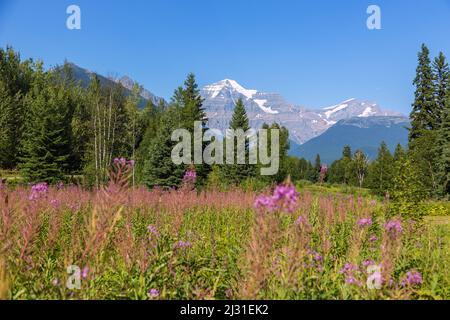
x=341 y=171
x=159 y=169
x=381 y=171
x=443 y=150
x=235 y=174
x=408 y=190
x=15 y=81
x=47 y=141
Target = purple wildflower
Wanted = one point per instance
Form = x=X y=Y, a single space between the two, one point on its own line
x=153 y=293
x=350 y=279
x=183 y=245
x=284 y=198
x=153 y=230
x=265 y=203
x=412 y=278
x=365 y=222
x=368 y=263
x=38 y=190
x=190 y=178
x=301 y=221
x=373 y=238
x=85 y=272
x=394 y=227
x=348 y=268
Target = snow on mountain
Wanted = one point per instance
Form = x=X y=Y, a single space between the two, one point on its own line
x=303 y=124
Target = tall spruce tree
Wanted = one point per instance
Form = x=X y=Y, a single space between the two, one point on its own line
x=443 y=143
x=47 y=140
x=423 y=115
x=236 y=173
x=190 y=101
x=441 y=84
x=424 y=123
x=15 y=81
x=317 y=168
x=380 y=172
x=159 y=169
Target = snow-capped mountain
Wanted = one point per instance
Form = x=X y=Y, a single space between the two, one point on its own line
x=353 y=108
x=303 y=123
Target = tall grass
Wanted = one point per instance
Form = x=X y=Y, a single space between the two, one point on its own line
x=180 y=244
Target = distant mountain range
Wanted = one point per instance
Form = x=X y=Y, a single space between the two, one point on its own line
x=304 y=124
x=364 y=134
x=84 y=77
x=360 y=124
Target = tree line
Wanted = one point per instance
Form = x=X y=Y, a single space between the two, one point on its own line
x=52 y=129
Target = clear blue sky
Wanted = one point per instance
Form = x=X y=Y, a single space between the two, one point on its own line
x=315 y=53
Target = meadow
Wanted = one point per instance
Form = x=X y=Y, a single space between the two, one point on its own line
x=285 y=242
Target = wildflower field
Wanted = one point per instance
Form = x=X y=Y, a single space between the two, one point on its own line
x=286 y=243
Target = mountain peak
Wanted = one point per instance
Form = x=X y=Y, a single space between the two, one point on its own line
x=215 y=89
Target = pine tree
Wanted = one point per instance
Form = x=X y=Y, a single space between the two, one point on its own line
x=340 y=170
x=399 y=153
x=15 y=79
x=423 y=114
x=380 y=171
x=317 y=168
x=424 y=123
x=441 y=83
x=443 y=146
x=159 y=169
x=190 y=101
x=236 y=173
x=47 y=141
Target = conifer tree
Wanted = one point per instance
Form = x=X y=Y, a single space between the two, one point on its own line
x=15 y=79
x=159 y=169
x=380 y=171
x=237 y=173
x=441 y=84
x=47 y=141
x=317 y=168
x=443 y=143
x=424 y=110
x=424 y=123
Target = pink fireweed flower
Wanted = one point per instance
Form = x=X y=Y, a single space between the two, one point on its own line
x=189 y=179
x=368 y=263
x=153 y=293
x=265 y=203
x=412 y=278
x=284 y=198
x=85 y=272
x=38 y=190
x=301 y=221
x=394 y=228
x=153 y=230
x=350 y=279
x=373 y=238
x=348 y=268
x=182 y=245
x=365 y=222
